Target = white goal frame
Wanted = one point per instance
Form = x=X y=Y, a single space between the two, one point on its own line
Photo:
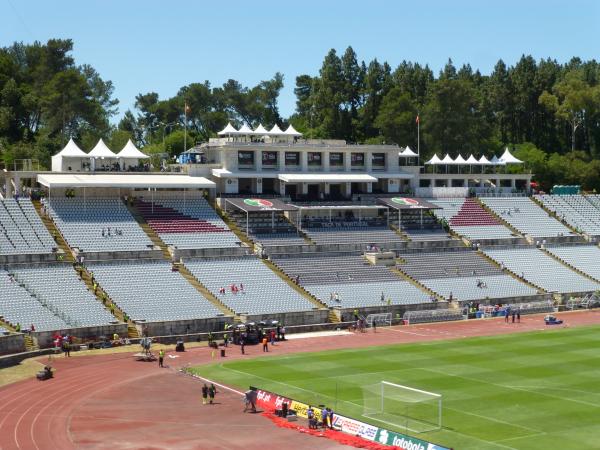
x=434 y=396
x=382 y=319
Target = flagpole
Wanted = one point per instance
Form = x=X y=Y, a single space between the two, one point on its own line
x=418 y=139
x=185 y=126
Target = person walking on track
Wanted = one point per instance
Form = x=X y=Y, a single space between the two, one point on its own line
x=161 y=358
x=204 y=394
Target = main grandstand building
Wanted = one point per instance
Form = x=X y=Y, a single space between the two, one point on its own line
x=265 y=225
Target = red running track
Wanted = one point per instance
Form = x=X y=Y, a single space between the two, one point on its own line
x=114 y=402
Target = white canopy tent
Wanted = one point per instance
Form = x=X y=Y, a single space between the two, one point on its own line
x=260 y=130
x=69 y=158
x=245 y=130
x=291 y=131
x=497 y=161
x=508 y=158
x=472 y=161
x=408 y=153
x=447 y=159
x=276 y=131
x=229 y=130
x=100 y=151
x=130 y=156
x=483 y=161
x=435 y=160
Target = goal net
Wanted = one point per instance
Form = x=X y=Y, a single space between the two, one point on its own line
x=402 y=406
x=384 y=319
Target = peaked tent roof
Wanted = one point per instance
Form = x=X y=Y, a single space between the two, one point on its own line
x=229 y=129
x=245 y=130
x=497 y=161
x=447 y=159
x=508 y=158
x=276 y=131
x=407 y=152
x=72 y=150
x=472 y=160
x=434 y=160
x=291 y=131
x=484 y=161
x=460 y=160
x=131 y=151
x=260 y=130
x=101 y=151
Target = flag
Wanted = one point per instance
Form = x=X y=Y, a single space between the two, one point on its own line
x=187 y=108
x=417 y=121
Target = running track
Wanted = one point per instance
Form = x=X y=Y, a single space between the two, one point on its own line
x=114 y=402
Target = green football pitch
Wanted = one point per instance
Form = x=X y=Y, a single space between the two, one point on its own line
x=536 y=390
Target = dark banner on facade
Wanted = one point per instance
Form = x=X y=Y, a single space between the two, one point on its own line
x=245 y=157
x=260 y=204
x=269 y=158
x=292 y=158
x=357 y=159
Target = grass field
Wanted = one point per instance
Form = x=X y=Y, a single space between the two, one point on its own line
x=536 y=390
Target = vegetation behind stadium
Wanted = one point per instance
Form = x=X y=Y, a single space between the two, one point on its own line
x=549 y=111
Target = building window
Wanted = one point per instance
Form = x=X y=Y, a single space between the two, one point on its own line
x=336 y=159
x=357 y=160
x=314 y=158
x=292 y=158
x=245 y=158
x=378 y=160
x=269 y=159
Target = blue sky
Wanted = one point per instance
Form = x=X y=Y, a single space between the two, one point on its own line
x=145 y=46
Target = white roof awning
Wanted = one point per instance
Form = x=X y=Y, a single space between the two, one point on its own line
x=327 y=178
x=408 y=153
x=131 y=151
x=224 y=173
x=447 y=159
x=472 y=160
x=229 y=129
x=508 y=158
x=260 y=130
x=101 y=151
x=434 y=160
x=291 y=131
x=126 y=180
x=71 y=150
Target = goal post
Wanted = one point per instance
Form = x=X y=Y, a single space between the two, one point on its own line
x=380 y=320
x=401 y=406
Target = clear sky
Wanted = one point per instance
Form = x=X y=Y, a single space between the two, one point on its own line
x=145 y=46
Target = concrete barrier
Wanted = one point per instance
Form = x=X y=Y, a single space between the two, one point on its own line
x=181 y=327
x=12 y=343
x=28 y=259
x=291 y=318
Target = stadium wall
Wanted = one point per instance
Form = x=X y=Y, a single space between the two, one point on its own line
x=211 y=252
x=28 y=259
x=183 y=327
x=109 y=256
x=13 y=343
x=45 y=338
x=396 y=310
x=316 y=316
x=339 y=248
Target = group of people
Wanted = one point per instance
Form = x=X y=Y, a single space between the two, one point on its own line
x=107 y=232
x=208 y=393
x=233 y=288
x=63 y=342
x=514 y=312
x=334 y=297
x=326 y=418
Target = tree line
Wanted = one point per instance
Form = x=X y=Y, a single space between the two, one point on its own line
x=549 y=112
